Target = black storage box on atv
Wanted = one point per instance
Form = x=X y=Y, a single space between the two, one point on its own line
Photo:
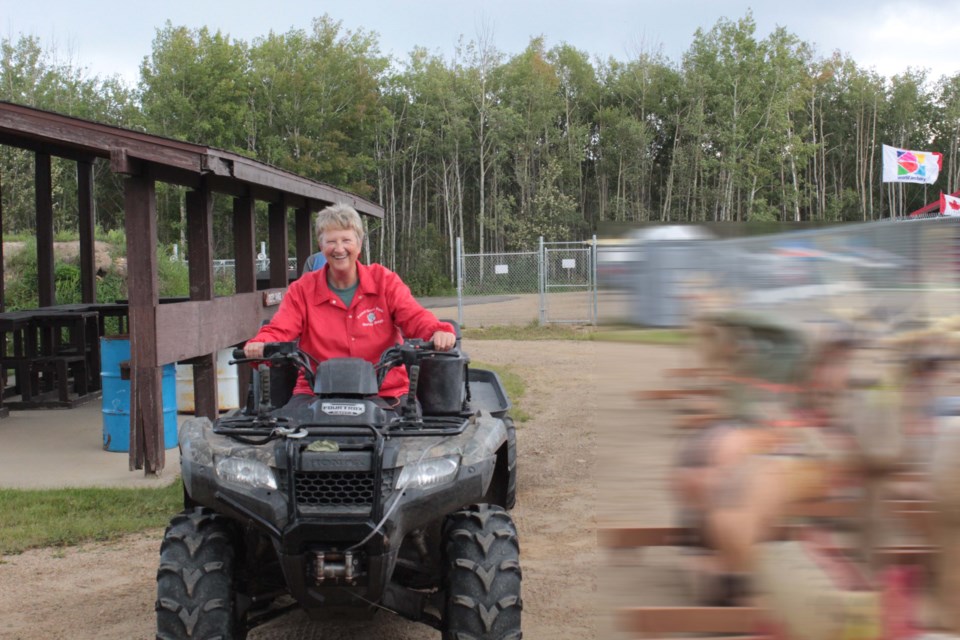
x=443 y=390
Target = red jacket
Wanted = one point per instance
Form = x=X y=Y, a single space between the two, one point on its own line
x=381 y=309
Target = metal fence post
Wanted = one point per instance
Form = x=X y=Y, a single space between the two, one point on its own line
x=460 y=281
x=541 y=262
x=593 y=273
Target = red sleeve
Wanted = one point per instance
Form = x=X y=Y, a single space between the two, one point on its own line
x=408 y=314
x=288 y=322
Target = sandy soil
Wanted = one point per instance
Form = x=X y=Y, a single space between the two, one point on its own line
x=586 y=454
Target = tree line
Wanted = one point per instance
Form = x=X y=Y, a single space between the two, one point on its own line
x=501 y=148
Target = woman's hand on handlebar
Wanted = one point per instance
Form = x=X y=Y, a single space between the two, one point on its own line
x=253 y=350
x=444 y=340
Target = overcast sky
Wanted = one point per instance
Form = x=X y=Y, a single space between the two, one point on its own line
x=111 y=37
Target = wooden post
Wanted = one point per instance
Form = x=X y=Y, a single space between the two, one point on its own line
x=46 y=286
x=205 y=387
x=200 y=251
x=146 y=405
x=4 y=411
x=86 y=212
x=277 y=224
x=199 y=243
x=305 y=237
x=3 y=294
x=245 y=250
x=245 y=245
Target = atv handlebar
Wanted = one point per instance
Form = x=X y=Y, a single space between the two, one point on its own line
x=408 y=352
x=270 y=350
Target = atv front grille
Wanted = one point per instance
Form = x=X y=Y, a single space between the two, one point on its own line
x=335 y=488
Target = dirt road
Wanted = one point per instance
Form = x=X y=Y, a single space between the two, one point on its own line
x=574 y=465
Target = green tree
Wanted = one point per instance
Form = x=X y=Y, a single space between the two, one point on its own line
x=33 y=76
x=315 y=103
x=195 y=86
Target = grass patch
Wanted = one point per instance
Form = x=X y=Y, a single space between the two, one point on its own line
x=643 y=336
x=532 y=331
x=514 y=385
x=65 y=517
x=535 y=331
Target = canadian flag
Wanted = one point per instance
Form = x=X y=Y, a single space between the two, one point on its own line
x=949 y=205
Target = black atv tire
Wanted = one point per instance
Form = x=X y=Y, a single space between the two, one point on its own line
x=481 y=575
x=195 y=581
x=510 y=496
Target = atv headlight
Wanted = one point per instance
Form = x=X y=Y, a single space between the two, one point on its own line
x=252 y=473
x=429 y=473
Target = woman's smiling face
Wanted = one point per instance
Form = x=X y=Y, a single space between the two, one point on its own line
x=341 y=247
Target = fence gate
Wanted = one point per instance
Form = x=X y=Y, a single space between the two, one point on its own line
x=568 y=282
x=555 y=283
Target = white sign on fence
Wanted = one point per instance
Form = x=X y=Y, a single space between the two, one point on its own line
x=569 y=263
x=500 y=269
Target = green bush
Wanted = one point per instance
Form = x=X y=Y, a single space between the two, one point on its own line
x=20 y=291
x=21 y=286
x=117 y=240
x=174 y=275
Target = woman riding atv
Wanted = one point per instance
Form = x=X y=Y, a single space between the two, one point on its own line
x=348 y=309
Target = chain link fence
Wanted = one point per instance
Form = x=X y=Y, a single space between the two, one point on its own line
x=569 y=288
x=227 y=268
x=556 y=283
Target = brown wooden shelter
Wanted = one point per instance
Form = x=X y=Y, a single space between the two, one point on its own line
x=191 y=331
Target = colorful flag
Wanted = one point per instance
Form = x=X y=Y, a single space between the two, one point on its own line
x=949 y=205
x=903 y=165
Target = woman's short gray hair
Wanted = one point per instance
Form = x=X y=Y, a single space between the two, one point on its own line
x=339 y=216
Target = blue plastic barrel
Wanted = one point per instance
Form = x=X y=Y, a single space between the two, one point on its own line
x=116 y=397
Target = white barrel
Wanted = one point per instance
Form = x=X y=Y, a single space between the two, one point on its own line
x=227 y=391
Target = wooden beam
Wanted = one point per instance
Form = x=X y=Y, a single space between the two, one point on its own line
x=215 y=324
x=277 y=229
x=146 y=404
x=200 y=250
x=199 y=205
x=173 y=175
x=244 y=245
x=86 y=209
x=631 y=537
x=714 y=620
x=57 y=150
x=205 y=387
x=43 y=185
x=305 y=239
x=60 y=130
x=3 y=296
x=253 y=172
x=4 y=411
x=129 y=151
x=125 y=164
x=245 y=270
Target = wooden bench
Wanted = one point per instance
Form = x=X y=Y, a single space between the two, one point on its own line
x=57 y=371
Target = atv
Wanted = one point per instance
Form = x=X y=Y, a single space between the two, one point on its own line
x=341 y=503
